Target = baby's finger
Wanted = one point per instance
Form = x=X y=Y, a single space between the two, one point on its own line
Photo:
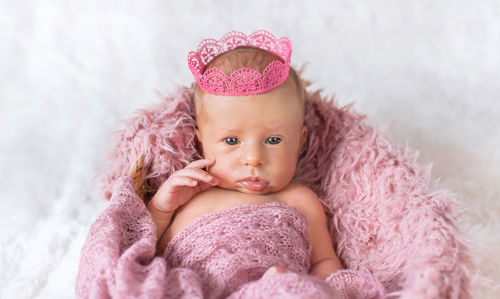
x=178 y=181
x=202 y=163
x=198 y=174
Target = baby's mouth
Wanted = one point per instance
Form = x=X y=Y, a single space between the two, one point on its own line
x=253 y=183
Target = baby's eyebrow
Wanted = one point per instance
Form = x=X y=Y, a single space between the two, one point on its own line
x=275 y=126
x=225 y=129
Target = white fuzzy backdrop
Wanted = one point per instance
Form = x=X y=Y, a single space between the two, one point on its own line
x=427 y=72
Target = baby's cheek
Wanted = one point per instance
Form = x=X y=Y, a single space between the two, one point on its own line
x=288 y=170
x=222 y=175
x=216 y=170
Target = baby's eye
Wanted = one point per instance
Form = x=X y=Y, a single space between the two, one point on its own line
x=231 y=140
x=273 y=140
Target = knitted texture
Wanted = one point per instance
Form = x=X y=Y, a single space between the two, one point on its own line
x=355 y=284
x=384 y=214
x=234 y=246
x=340 y=284
x=217 y=255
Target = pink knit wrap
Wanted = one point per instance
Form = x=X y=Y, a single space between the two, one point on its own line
x=231 y=247
x=218 y=255
x=385 y=217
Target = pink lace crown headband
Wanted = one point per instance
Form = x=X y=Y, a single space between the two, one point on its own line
x=243 y=81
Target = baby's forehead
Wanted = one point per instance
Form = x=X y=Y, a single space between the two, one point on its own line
x=230 y=124
x=282 y=103
x=240 y=123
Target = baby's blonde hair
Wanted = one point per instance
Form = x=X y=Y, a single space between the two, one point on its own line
x=250 y=57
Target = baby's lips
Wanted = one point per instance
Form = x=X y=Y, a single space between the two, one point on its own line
x=254 y=185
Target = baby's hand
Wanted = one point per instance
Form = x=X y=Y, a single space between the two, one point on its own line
x=275 y=270
x=182 y=185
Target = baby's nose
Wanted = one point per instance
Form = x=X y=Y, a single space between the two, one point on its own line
x=252 y=156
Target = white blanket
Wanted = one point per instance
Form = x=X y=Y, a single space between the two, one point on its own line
x=426 y=71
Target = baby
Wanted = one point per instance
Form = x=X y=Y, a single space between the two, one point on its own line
x=250 y=138
x=224 y=224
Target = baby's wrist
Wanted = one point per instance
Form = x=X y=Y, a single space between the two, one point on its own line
x=159 y=212
x=153 y=209
x=160 y=218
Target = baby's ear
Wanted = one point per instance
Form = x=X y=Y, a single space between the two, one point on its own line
x=304 y=136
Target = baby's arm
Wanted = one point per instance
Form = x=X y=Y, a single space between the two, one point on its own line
x=324 y=261
x=179 y=188
x=161 y=219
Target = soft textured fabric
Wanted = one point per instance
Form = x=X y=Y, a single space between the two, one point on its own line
x=231 y=247
x=217 y=255
x=385 y=217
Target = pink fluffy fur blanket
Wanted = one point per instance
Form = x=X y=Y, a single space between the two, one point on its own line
x=385 y=218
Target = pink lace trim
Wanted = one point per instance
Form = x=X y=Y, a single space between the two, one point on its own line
x=243 y=81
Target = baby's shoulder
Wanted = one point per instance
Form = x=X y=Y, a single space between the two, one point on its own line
x=304 y=199
x=297 y=191
x=300 y=187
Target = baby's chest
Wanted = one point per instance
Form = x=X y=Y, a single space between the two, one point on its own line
x=211 y=202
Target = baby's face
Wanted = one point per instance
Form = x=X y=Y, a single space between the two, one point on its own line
x=255 y=139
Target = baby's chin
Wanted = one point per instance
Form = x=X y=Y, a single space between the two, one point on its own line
x=268 y=190
x=246 y=191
